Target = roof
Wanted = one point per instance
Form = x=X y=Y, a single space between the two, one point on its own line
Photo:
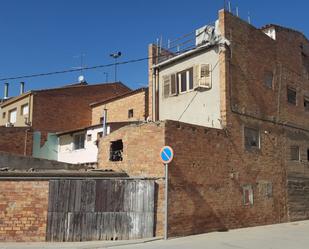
x=14 y=99
x=142 y=89
x=112 y=124
x=75 y=85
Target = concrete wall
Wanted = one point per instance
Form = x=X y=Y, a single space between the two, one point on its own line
x=117 y=109
x=23 y=210
x=11 y=105
x=24 y=163
x=194 y=107
x=66 y=152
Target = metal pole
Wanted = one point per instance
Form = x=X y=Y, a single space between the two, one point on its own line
x=166 y=202
x=115 y=69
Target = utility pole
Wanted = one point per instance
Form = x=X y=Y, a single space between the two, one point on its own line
x=115 y=56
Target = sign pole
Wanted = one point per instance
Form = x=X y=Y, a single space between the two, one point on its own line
x=166 y=202
x=166 y=155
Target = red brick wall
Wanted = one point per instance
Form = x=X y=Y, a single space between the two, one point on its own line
x=23 y=210
x=68 y=108
x=142 y=144
x=208 y=173
x=12 y=140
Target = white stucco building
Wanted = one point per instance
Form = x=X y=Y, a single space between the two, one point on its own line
x=80 y=146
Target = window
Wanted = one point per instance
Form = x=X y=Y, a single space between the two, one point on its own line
x=185 y=80
x=252 y=138
x=306 y=104
x=295 y=156
x=130 y=113
x=89 y=137
x=308 y=155
x=268 y=81
x=265 y=188
x=12 y=116
x=24 y=110
x=291 y=94
x=247 y=193
x=79 y=141
x=116 y=150
x=3 y=115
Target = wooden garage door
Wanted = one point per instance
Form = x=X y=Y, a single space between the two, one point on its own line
x=81 y=210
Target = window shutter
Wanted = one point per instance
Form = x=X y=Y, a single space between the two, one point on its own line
x=196 y=77
x=166 y=85
x=205 y=76
x=174 y=87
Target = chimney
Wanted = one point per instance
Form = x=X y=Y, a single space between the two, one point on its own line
x=22 y=87
x=6 y=90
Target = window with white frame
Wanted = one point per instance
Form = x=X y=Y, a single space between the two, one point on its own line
x=12 y=116
x=185 y=80
x=79 y=141
x=24 y=109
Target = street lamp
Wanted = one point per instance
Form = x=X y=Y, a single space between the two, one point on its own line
x=115 y=56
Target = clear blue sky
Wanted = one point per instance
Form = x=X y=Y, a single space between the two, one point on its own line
x=47 y=35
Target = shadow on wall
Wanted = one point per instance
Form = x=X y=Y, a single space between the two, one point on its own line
x=49 y=150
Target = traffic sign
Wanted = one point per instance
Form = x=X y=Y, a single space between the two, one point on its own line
x=166 y=154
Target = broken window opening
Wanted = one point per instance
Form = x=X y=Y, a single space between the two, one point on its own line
x=116 y=150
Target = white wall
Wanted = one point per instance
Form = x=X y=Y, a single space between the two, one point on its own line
x=204 y=109
x=66 y=152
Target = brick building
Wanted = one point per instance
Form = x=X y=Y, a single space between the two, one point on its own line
x=51 y=110
x=80 y=145
x=234 y=108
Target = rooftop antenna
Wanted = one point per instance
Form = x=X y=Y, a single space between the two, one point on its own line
x=106 y=76
x=81 y=77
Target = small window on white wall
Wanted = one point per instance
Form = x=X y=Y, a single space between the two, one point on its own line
x=12 y=116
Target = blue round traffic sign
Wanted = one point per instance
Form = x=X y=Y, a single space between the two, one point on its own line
x=166 y=154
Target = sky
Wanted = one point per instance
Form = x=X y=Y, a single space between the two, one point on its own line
x=39 y=36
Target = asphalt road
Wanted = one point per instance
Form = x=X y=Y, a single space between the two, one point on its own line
x=283 y=236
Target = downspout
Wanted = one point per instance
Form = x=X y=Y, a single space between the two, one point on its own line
x=157 y=96
x=153 y=95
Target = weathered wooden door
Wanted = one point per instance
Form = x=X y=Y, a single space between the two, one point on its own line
x=81 y=210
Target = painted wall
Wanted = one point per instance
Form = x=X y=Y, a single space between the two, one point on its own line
x=49 y=150
x=195 y=107
x=20 y=119
x=66 y=152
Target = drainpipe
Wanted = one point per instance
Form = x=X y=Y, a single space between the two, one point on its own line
x=105 y=122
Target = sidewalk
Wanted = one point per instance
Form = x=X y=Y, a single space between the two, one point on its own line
x=73 y=245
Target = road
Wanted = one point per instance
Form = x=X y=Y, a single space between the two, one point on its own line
x=283 y=236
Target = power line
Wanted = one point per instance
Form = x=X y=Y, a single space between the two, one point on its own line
x=88 y=68
x=73 y=70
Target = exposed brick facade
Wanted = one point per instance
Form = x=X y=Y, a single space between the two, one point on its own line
x=68 y=108
x=16 y=140
x=212 y=167
x=23 y=210
x=118 y=107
